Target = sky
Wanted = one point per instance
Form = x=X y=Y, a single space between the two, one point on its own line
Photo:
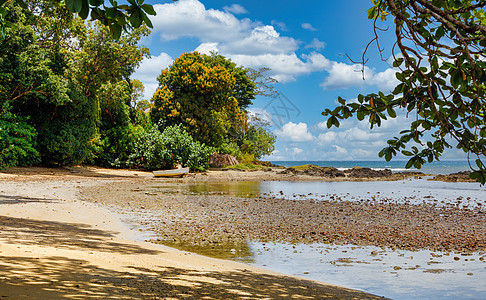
x=306 y=44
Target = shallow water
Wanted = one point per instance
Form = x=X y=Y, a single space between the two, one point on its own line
x=413 y=191
x=396 y=274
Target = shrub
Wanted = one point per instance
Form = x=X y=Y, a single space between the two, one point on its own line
x=118 y=144
x=17 y=141
x=163 y=150
x=230 y=148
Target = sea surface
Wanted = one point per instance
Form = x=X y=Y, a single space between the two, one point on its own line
x=436 y=167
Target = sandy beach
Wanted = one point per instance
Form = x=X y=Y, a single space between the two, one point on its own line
x=54 y=244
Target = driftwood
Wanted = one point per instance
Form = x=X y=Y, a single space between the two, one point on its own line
x=219 y=160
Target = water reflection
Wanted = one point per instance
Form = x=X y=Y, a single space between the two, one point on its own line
x=238 y=251
x=241 y=189
x=413 y=191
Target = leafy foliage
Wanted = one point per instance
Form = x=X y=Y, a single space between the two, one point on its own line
x=258 y=141
x=66 y=136
x=163 y=150
x=198 y=92
x=116 y=17
x=17 y=141
x=442 y=74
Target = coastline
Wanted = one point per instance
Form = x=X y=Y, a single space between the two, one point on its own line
x=54 y=244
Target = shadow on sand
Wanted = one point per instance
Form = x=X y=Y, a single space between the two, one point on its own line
x=59 y=277
x=64 y=236
x=64 y=278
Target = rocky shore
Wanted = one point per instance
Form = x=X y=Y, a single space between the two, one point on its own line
x=222 y=221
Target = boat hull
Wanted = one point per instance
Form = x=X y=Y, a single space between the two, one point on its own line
x=171 y=173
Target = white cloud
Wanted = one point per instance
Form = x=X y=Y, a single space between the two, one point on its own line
x=260 y=114
x=297 y=133
x=308 y=26
x=190 y=18
x=280 y=25
x=327 y=137
x=262 y=39
x=284 y=67
x=149 y=70
x=356 y=134
x=340 y=151
x=296 y=150
x=235 y=9
x=246 y=42
x=386 y=80
x=207 y=48
x=343 y=76
x=322 y=126
x=315 y=44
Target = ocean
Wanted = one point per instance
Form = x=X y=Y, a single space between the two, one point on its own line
x=436 y=167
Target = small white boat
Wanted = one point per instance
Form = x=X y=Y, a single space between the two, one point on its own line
x=171 y=173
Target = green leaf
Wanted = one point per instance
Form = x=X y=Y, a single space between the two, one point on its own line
x=96 y=2
x=136 y=19
x=84 y=10
x=391 y=112
x=407 y=153
x=21 y=3
x=372 y=13
x=115 y=30
x=147 y=21
x=111 y=13
x=95 y=14
x=456 y=78
x=435 y=64
x=410 y=163
x=479 y=163
x=74 y=5
x=149 y=9
x=397 y=62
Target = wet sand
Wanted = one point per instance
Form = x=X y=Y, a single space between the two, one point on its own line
x=54 y=244
x=203 y=220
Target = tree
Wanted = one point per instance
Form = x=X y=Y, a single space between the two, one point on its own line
x=68 y=83
x=103 y=66
x=264 y=84
x=116 y=17
x=442 y=74
x=244 y=89
x=258 y=142
x=199 y=93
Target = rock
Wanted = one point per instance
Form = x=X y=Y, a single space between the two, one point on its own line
x=313 y=170
x=219 y=160
x=368 y=173
x=463 y=176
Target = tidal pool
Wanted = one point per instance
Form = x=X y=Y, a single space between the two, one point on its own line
x=396 y=274
x=413 y=191
x=393 y=274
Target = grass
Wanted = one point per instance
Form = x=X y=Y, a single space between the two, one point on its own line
x=246 y=166
x=304 y=167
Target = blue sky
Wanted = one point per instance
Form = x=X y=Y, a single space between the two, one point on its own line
x=303 y=43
